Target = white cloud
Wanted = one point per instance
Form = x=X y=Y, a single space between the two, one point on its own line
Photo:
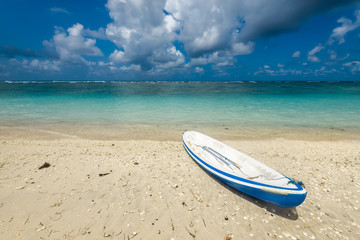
x=296 y=54
x=206 y=42
x=161 y=34
x=199 y=70
x=311 y=54
x=143 y=29
x=197 y=61
x=45 y=65
x=312 y=58
x=354 y=66
x=99 y=34
x=225 y=64
x=59 y=10
x=117 y=56
x=334 y=59
x=333 y=54
x=132 y=67
x=72 y=45
x=315 y=50
x=37 y=65
x=220 y=59
x=242 y=48
x=347 y=25
x=267 y=71
x=214 y=25
x=170 y=58
x=324 y=71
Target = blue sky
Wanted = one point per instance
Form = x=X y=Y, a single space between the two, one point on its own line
x=180 y=40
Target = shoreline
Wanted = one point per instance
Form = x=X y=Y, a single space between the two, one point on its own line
x=170 y=132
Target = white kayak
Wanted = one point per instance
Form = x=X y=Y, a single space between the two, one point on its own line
x=243 y=172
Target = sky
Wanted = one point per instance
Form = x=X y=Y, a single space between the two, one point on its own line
x=201 y=40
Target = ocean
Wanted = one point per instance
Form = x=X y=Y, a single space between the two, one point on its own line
x=240 y=105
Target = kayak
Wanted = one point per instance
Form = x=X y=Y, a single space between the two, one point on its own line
x=242 y=172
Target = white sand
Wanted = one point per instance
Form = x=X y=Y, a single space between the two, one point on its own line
x=154 y=190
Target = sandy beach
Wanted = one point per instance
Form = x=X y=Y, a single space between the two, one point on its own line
x=136 y=187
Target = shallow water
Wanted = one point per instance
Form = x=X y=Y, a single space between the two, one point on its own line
x=240 y=104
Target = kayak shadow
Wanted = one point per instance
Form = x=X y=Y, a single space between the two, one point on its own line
x=289 y=213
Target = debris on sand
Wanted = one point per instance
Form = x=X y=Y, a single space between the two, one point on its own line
x=228 y=237
x=103 y=174
x=45 y=165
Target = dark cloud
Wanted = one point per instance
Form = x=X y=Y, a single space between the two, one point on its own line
x=11 y=51
x=275 y=17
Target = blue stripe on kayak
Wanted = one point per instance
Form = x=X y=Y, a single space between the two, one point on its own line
x=299 y=188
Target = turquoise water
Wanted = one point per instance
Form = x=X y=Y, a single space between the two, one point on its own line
x=250 y=104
